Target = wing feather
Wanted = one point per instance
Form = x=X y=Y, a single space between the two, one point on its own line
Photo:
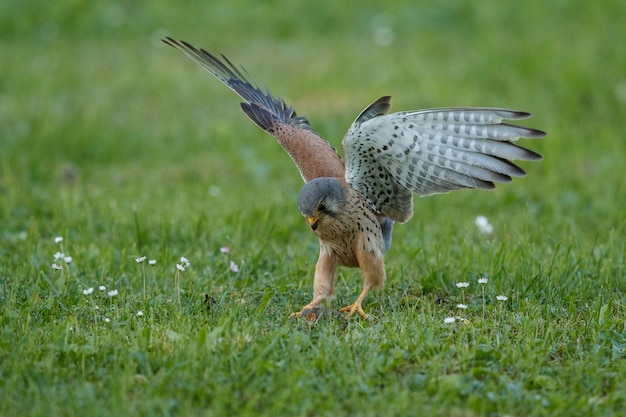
x=391 y=156
x=313 y=156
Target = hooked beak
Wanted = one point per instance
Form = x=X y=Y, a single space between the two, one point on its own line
x=312 y=221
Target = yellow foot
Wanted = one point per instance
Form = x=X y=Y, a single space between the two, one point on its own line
x=309 y=312
x=354 y=307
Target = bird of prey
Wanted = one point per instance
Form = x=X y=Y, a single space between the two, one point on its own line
x=351 y=204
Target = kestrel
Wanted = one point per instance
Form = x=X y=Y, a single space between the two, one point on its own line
x=352 y=206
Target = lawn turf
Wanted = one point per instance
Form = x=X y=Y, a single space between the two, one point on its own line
x=124 y=148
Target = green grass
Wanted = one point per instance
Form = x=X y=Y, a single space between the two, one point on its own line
x=125 y=148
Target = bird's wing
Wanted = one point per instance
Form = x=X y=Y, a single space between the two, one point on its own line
x=313 y=156
x=390 y=157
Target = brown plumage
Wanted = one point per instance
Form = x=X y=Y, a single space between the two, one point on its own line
x=389 y=157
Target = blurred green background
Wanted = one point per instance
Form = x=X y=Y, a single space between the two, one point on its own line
x=91 y=97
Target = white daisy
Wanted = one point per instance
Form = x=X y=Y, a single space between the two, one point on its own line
x=483 y=225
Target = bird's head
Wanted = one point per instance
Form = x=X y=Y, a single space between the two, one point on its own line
x=319 y=199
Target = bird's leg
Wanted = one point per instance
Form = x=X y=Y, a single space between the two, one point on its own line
x=372 y=264
x=324 y=280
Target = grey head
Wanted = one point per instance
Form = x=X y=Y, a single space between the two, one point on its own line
x=320 y=198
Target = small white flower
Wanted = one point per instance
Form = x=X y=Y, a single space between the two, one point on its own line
x=461 y=306
x=140 y=259
x=58 y=255
x=152 y=262
x=185 y=261
x=56 y=266
x=481 y=221
x=180 y=267
x=483 y=225
x=58 y=239
x=449 y=320
x=139 y=313
x=483 y=280
x=96 y=308
x=112 y=293
x=88 y=291
x=225 y=249
x=215 y=191
x=107 y=320
x=233 y=266
x=462 y=284
x=102 y=288
x=67 y=259
x=501 y=297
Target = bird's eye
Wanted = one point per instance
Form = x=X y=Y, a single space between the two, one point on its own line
x=321 y=206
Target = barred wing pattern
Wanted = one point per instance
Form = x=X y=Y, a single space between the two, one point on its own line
x=390 y=157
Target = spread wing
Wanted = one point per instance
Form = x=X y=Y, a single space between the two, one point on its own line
x=313 y=156
x=391 y=156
